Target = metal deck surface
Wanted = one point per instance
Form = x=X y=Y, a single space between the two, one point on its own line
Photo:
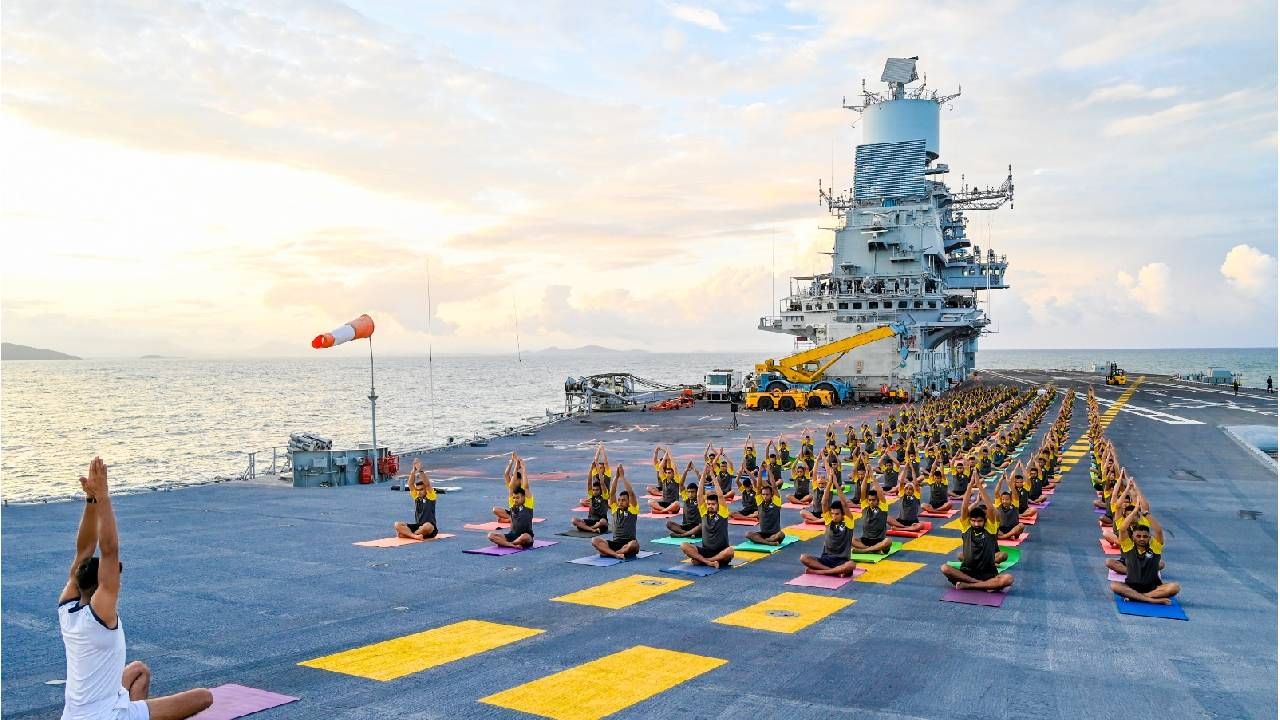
x=240 y=583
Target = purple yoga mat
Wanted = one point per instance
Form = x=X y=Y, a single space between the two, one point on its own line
x=1114 y=576
x=495 y=550
x=232 y=701
x=1099 y=511
x=974 y=597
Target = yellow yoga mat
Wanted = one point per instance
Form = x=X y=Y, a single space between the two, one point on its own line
x=932 y=544
x=786 y=612
x=409 y=654
x=957 y=524
x=805 y=534
x=624 y=592
x=605 y=686
x=887 y=572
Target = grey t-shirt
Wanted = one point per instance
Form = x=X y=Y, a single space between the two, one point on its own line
x=521 y=520
x=715 y=531
x=624 y=523
x=839 y=539
x=771 y=517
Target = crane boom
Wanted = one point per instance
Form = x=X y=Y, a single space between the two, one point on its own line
x=809 y=366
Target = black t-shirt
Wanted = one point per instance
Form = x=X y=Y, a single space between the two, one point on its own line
x=979 y=550
x=624 y=523
x=598 y=509
x=424 y=510
x=771 y=517
x=909 y=511
x=875 y=520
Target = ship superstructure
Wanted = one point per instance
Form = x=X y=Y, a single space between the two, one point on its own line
x=901 y=253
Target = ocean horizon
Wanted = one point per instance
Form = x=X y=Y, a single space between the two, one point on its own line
x=175 y=421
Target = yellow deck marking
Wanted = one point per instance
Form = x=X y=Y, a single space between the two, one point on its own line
x=805 y=534
x=624 y=592
x=749 y=555
x=888 y=572
x=957 y=524
x=786 y=612
x=1073 y=453
x=409 y=654
x=603 y=687
x=932 y=544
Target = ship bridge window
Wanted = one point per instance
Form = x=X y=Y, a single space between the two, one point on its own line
x=902 y=304
x=873 y=305
x=919 y=304
x=933 y=304
x=844 y=306
x=856 y=306
x=831 y=306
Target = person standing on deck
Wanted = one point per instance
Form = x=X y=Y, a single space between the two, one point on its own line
x=1269 y=385
x=100 y=686
x=1235 y=385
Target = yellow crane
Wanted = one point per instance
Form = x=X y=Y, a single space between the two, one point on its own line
x=811 y=365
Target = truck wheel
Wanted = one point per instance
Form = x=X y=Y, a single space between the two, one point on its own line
x=776 y=385
x=764 y=403
x=835 y=396
x=787 y=403
x=813 y=402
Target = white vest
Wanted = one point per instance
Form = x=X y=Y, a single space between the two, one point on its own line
x=95 y=663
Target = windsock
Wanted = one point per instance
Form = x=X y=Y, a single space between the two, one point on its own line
x=358 y=329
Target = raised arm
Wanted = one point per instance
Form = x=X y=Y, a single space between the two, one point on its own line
x=105 y=598
x=524 y=480
x=657 y=454
x=986 y=500
x=684 y=479
x=86 y=540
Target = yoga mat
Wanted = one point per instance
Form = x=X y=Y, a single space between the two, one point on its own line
x=826 y=582
x=1099 y=511
x=793 y=506
x=397 y=541
x=601 y=561
x=975 y=597
x=232 y=701
x=934 y=544
x=1141 y=609
x=897 y=532
x=806 y=526
x=1107 y=549
x=691 y=570
x=758 y=547
x=803 y=534
x=1014 y=555
x=1114 y=576
x=749 y=523
x=1015 y=542
x=1038 y=505
x=491 y=526
x=624 y=592
x=674 y=540
x=946 y=515
x=578 y=533
x=499 y=551
x=1028 y=522
x=888 y=572
x=580 y=508
x=659 y=516
x=876 y=557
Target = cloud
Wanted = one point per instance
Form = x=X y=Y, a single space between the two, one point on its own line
x=1150 y=289
x=702 y=17
x=1127 y=91
x=1249 y=270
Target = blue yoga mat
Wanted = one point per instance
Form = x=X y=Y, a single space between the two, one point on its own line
x=1141 y=609
x=691 y=570
x=601 y=561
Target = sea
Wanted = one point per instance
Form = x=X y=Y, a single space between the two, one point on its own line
x=166 y=422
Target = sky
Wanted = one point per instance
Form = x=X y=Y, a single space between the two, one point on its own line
x=232 y=178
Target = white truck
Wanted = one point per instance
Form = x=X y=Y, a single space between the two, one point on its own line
x=722 y=385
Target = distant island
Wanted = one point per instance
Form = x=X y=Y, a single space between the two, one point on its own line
x=585 y=350
x=160 y=357
x=13 y=351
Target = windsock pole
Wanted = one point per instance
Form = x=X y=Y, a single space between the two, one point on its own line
x=373 y=412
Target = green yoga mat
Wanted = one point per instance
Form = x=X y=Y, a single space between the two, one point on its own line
x=876 y=557
x=757 y=547
x=1014 y=555
x=674 y=541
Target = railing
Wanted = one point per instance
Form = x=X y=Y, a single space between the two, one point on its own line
x=281 y=462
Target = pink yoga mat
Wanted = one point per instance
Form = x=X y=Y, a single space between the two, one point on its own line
x=736 y=521
x=491 y=526
x=946 y=515
x=793 y=506
x=1114 y=576
x=553 y=475
x=826 y=582
x=397 y=541
x=661 y=516
x=1016 y=541
x=1106 y=547
x=975 y=597
x=806 y=526
x=903 y=533
x=232 y=701
x=1029 y=522
x=580 y=508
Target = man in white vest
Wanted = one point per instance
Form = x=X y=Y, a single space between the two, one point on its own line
x=99 y=684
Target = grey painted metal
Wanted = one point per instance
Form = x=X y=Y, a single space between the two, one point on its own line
x=901 y=252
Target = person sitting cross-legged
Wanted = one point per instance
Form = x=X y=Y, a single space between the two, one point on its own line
x=625 y=508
